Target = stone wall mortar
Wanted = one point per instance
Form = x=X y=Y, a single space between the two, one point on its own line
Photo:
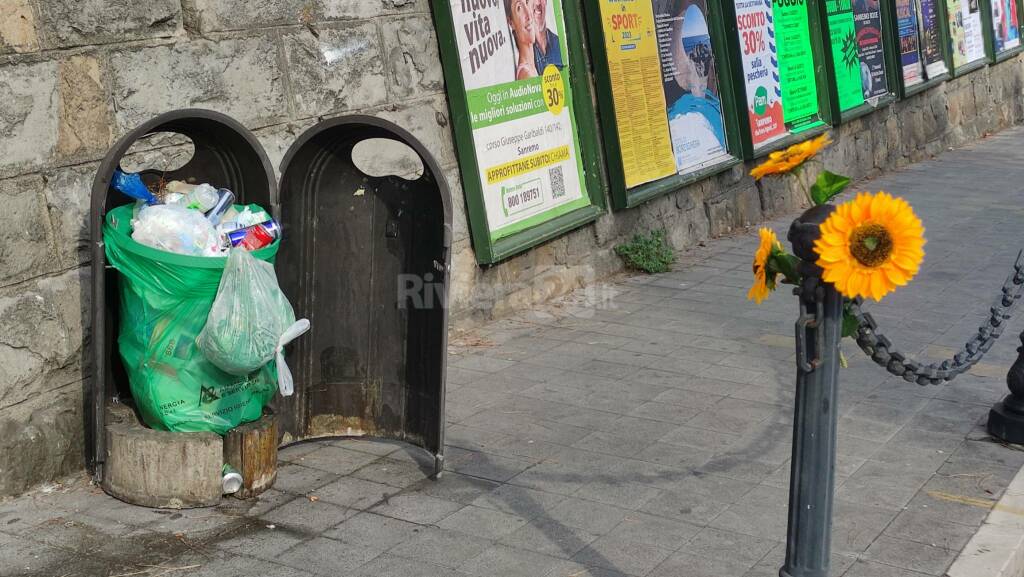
x=73 y=81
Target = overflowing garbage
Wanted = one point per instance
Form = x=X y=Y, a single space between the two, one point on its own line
x=203 y=320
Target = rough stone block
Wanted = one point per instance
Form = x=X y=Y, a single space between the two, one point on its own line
x=41 y=338
x=278 y=138
x=864 y=146
x=223 y=15
x=43 y=438
x=460 y=222
x=239 y=77
x=158 y=468
x=778 y=197
x=26 y=241
x=85 y=119
x=412 y=56
x=427 y=120
x=340 y=70
x=80 y=22
x=362 y=9
x=220 y=15
x=28 y=117
x=733 y=209
x=68 y=193
x=688 y=228
x=18 y=27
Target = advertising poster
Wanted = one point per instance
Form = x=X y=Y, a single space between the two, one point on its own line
x=867 y=17
x=965 y=31
x=910 y=48
x=760 y=69
x=634 y=67
x=796 y=64
x=690 y=82
x=931 y=39
x=1005 y=26
x=520 y=105
x=845 y=56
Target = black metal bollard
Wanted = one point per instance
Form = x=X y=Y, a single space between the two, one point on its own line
x=812 y=479
x=1006 y=419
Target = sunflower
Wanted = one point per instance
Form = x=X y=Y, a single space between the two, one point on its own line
x=764 y=280
x=783 y=161
x=870 y=245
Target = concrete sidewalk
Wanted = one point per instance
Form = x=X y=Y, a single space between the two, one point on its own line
x=639 y=429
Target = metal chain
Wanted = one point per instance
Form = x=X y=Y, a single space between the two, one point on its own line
x=880 y=349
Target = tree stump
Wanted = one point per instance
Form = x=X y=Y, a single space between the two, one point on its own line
x=251 y=448
x=160 y=469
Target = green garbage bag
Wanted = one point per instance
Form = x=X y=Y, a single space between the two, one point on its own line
x=165 y=300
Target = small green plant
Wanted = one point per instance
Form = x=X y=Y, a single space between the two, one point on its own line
x=650 y=254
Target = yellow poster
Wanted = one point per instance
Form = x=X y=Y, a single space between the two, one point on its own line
x=635 y=69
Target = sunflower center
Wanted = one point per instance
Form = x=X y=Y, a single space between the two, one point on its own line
x=871 y=244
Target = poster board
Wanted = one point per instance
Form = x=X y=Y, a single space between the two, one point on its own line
x=867 y=16
x=932 y=51
x=658 y=77
x=761 y=74
x=911 y=63
x=634 y=71
x=778 y=68
x=1005 y=25
x=858 y=52
x=690 y=84
x=796 y=64
x=512 y=82
x=965 y=32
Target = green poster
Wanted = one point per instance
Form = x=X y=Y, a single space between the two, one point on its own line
x=845 y=57
x=515 y=72
x=796 y=63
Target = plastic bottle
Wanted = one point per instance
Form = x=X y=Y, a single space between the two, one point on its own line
x=201 y=197
x=224 y=202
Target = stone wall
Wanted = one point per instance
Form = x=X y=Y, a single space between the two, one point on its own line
x=74 y=76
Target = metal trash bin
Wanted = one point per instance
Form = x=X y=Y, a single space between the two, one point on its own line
x=366 y=260
x=372 y=364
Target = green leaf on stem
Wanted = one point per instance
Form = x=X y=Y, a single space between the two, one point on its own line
x=784 y=264
x=828 y=185
x=850 y=324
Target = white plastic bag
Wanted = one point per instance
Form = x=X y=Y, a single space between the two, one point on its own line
x=251 y=321
x=176 y=229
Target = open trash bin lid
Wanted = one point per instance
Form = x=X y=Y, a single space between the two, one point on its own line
x=366 y=261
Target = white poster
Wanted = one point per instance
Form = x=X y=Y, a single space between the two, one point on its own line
x=516 y=77
x=966 y=31
x=760 y=69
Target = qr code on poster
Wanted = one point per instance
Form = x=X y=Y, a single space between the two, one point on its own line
x=557 y=182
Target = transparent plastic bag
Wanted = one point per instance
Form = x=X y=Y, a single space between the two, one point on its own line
x=176 y=229
x=251 y=321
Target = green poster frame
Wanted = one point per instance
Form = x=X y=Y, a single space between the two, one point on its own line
x=821 y=52
x=488 y=252
x=945 y=42
x=986 y=37
x=990 y=43
x=891 y=58
x=623 y=197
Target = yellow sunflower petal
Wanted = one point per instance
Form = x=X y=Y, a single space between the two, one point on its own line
x=853 y=268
